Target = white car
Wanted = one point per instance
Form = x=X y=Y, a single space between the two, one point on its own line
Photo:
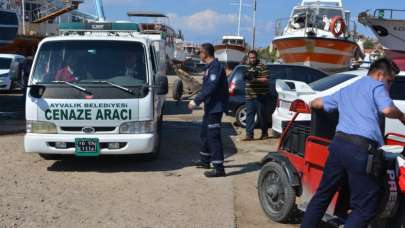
x=289 y=91
x=6 y=83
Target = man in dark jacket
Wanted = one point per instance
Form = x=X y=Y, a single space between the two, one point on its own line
x=215 y=95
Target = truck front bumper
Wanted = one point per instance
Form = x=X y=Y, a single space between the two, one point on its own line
x=130 y=143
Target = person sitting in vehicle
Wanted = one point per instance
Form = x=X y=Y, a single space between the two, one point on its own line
x=135 y=66
x=69 y=72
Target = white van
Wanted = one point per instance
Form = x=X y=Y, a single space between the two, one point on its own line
x=97 y=89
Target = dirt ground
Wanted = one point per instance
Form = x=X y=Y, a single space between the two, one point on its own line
x=129 y=192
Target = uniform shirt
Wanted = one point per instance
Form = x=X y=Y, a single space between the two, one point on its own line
x=360 y=106
x=215 y=91
x=254 y=87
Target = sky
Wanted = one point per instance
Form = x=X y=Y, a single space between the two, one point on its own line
x=208 y=20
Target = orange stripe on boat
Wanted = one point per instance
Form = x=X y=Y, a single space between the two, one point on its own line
x=340 y=45
x=322 y=58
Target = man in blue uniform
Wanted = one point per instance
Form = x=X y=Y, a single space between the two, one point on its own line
x=358 y=133
x=215 y=95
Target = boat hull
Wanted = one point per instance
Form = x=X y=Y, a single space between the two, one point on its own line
x=390 y=33
x=230 y=53
x=8 y=27
x=398 y=57
x=22 y=45
x=326 y=54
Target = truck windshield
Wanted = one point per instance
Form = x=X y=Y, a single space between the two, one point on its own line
x=118 y=62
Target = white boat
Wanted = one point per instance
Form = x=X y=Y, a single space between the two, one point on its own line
x=317 y=34
x=389 y=28
x=231 y=50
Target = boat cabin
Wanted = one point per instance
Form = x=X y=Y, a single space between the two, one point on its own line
x=317 y=14
x=234 y=40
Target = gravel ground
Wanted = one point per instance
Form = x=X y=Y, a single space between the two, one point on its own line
x=129 y=192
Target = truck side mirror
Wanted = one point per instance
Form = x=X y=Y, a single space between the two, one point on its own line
x=162 y=85
x=36 y=91
x=15 y=71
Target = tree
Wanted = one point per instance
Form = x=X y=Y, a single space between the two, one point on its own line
x=368 y=44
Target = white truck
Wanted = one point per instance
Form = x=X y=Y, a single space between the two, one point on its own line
x=96 y=89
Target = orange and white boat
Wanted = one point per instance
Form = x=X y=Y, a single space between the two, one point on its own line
x=231 y=50
x=317 y=35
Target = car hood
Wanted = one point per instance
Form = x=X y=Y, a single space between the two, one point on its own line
x=4 y=71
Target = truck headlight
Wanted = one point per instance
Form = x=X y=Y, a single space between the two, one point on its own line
x=137 y=127
x=40 y=127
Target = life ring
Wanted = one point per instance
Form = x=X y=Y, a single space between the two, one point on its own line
x=335 y=29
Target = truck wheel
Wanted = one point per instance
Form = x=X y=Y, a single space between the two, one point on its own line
x=241 y=117
x=276 y=195
x=177 y=89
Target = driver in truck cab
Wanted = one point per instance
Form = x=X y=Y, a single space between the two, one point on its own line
x=68 y=72
x=358 y=135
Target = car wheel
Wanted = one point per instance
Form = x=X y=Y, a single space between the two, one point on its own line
x=177 y=89
x=241 y=117
x=276 y=195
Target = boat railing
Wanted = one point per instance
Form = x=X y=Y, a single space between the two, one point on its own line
x=285 y=26
x=389 y=14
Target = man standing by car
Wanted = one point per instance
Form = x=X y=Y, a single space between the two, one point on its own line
x=215 y=95
x=257 y=96
x=358 y=135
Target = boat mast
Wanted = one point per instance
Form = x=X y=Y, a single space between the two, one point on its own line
x=254 y=24
x=100 y=10
x=23 y=16
x=240 y=14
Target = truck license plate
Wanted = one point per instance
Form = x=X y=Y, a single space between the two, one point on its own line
x=87 y=147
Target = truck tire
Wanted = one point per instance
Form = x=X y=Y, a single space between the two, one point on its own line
x=276 y=195
x=178 y=89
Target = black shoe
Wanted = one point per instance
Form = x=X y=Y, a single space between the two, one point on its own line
x=215 y=173
x=247 y=139
x=264 y=137
x=201 y=165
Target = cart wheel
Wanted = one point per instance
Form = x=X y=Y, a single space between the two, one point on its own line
x=178 y=89
x=276 y=195
x=241 y=117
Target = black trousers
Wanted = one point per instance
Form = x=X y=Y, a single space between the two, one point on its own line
x=211 y=142
x=346 y=162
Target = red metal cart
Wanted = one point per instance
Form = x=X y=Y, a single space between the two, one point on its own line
x=296 y=168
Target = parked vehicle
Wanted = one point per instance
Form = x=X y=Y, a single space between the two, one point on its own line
x=236 y=81
x=6 y=84
x=327 y=86
x=96 y=92
x=296 y=169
